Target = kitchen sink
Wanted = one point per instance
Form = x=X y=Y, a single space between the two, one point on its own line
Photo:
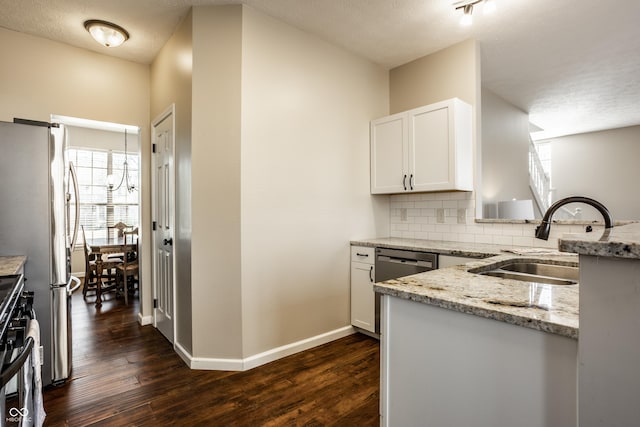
x=535 y=272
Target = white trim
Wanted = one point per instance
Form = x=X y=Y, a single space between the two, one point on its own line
x=145 y=320
x=183 y=353
x=169 y=112
x=210 y=364
x=94 y=124
x=296 y=347
x=215 y=364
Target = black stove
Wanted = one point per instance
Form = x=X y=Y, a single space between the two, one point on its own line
x=10 y=291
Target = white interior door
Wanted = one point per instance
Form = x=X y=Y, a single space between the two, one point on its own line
x=163 y=225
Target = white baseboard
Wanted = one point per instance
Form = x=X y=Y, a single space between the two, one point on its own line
x=145 y=320
x=183 y=353
x=296 y=347
x=213 y=364
x=208 y=364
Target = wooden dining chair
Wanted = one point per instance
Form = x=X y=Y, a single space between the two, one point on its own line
x=108 y=281
x=133 y=232
x=117 y=230
x=90 y=268
x=127 y=272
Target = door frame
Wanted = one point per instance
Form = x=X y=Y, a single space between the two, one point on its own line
x=170 y=111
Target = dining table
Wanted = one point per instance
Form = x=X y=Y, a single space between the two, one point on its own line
x=102 y=248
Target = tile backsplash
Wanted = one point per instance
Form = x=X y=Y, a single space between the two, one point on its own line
x=451 y=217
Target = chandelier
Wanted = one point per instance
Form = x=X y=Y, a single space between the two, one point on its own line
x=125 y=179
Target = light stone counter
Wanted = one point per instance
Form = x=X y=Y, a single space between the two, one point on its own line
x=472 y=250
x=617 y=242
x=546 y=308
x=11 y=264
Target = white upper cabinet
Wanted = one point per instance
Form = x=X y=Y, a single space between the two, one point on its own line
x=425 y=149
x=389 y=155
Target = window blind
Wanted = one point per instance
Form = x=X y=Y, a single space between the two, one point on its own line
x=100 y=208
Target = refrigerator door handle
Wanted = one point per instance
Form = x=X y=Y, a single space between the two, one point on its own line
x=76 y=192
x=73 y=279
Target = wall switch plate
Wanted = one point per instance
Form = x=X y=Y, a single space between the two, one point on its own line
x=440 y=215
x=462 y=216
x=403 y=214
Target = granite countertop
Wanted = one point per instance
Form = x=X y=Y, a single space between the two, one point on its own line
x=618 y=242
x=546 y=308
x=11 y=264
x=472 y=250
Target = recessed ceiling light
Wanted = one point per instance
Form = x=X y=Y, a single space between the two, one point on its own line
x=106 y=33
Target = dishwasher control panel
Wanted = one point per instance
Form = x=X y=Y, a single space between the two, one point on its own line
x=395 y=263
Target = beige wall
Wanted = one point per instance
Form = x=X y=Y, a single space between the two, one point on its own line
x=602 y=165
x=448 y=73
x=171 y=84
x=453 y=72
x=505 y=153
x=216 y=275
x=278 y=158
x=39 y=77
x=306 y=107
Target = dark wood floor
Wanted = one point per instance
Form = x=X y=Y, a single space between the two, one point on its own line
x=125 y=374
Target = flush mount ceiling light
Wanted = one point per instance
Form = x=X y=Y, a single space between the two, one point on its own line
x=488 y=7
x=106 y=33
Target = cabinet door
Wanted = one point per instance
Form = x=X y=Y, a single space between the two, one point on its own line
x=431 y=149
x=362 y=296
x=389 y=141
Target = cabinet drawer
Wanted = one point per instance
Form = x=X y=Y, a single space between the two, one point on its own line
x=363 y=254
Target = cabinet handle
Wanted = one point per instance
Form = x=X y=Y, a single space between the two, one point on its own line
x=371 y=274
x=411 y=182
x=404 y=182
x=359 y=254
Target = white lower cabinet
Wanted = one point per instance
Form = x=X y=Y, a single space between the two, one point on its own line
x=362 y=295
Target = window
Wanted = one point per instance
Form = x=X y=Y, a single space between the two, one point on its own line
x=544 y=152
x=99 y=207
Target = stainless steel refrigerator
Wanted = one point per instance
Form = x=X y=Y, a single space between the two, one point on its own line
x=34 y=185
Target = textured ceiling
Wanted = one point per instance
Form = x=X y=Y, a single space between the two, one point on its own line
x=574 y=65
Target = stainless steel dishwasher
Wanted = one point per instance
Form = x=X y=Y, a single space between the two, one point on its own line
x=395 y=263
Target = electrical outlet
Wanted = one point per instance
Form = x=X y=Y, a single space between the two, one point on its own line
x=403 y=214
x=462 y=216
x=440 y=215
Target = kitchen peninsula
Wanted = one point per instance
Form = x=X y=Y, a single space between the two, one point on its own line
x=460 y=348
x=609 y=345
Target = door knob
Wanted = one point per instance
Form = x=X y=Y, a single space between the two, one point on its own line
x=168 y=241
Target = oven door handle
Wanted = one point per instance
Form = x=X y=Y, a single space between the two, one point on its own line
x=15 y=366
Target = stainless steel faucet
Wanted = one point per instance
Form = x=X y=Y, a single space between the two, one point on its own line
x=542 y=231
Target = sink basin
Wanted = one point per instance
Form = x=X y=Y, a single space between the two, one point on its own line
x=535 y=272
